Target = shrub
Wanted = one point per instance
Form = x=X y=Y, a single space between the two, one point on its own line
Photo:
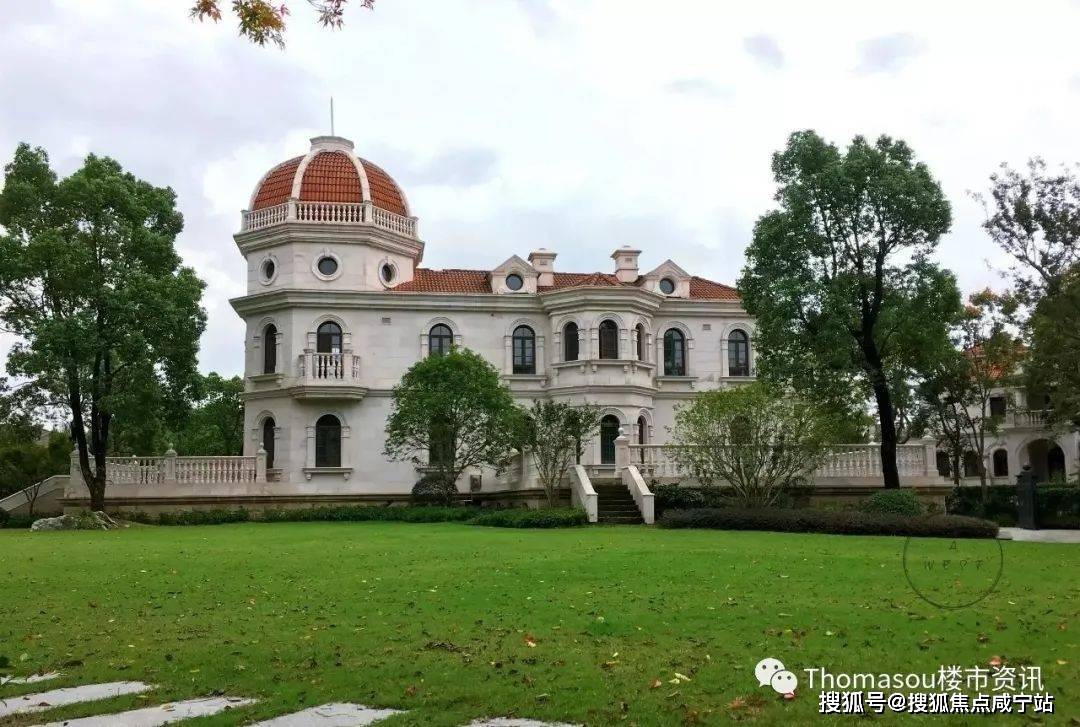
x=676 y=497
x=892 y=502
x=1055 y=506
x=835 y=522
x=18 y=521
x=360 y=513
x=434 y=489
x=524 y=518
x=204 y=517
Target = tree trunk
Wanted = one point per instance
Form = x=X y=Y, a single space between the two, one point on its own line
x=887 y=423
x=97 y=495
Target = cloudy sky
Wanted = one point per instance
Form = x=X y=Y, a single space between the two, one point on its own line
x=576 y=125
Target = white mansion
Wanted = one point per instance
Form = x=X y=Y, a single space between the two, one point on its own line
x=338 y=308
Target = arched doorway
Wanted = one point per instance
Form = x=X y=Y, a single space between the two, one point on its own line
x=1046 y=458
x=609 y=432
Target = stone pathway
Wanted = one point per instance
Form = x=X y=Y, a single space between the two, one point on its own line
x=332 y=715
x=1039 y=536
x=159 y=715
x=328 y=715
x=28 y=703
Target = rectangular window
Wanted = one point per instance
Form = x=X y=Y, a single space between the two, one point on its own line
x=997 y=406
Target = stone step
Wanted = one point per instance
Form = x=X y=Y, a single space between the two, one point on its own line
x=28 y=703
x=162 y=714
x=621 y=520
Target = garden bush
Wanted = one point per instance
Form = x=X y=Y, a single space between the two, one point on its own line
x=18 y=521
x=525 y=518
x=360 y=513
x=679 y=497
x=203 y=517
x=892 y=502
x=1056 y=506
x=433 y=489
x=824 y=521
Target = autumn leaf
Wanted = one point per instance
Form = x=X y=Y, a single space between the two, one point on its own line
x=655 y=684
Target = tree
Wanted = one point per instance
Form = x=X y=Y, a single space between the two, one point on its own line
x=106 y=315
x=261 y=22
x=847 y=301
x=1035 y=218
x=455 y=410
x=555 y=431
x=750 y=438
x=215 y=425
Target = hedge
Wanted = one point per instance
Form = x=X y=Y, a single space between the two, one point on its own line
x=892 y=502
x=360 y=513
x=829 y=521
x=1057 y=506
x=523 y=518
x=19 y=521
x=679 y=497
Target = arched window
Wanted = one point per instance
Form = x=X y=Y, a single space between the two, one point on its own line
x=609 y=339
x=268 y=440
x=640 y=329
x=328 y=441
x=944 y=466
x=642 y=436
x=609 y=431
x=523 y=345
x=328 y=338
x=269 y=349
x=440 y=339
x=1001 y=463
x=971 y=464
x=674 y=353
x=570 y=341
x=738 y=354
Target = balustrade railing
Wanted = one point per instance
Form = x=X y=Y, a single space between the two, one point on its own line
x=1035 y=418
x=329 y=366
x=841 y=461
x=180 y=470
x=199 y=470
x=334 y=213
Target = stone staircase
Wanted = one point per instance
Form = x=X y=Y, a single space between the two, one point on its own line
x=615 y=504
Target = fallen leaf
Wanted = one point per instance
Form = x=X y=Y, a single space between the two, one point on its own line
x=655 y=684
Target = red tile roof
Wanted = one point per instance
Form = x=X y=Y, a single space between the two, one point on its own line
x=703 y=289
x=476 y=281
x=446 y=281
x=277 y=186
x=331 y=176
x=385 y=192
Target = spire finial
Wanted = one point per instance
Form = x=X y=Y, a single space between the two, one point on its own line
x=331 y=116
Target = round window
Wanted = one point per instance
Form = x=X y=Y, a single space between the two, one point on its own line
x=667 y=286
x=327 y=265
x=386 y=272
x=268 y=270
x=514 y=281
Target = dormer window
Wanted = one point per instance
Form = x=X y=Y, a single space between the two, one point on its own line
x=667 y=286
x=514 y=281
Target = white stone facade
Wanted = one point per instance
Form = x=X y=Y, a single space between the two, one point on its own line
x=386 y=306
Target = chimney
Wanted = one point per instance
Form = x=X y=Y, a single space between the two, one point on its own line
x=544 y=262
x=626 y=269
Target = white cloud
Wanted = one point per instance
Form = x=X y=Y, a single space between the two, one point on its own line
x=579 y=126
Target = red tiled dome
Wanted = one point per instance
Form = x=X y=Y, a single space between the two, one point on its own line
x=330 y=173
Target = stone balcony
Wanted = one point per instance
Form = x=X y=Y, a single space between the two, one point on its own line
x=328 y=376
x=363 y=214
x=1025 y=419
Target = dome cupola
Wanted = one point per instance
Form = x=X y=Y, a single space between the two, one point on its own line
x=330 y=185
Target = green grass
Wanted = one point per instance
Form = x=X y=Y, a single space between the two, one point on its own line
x=433 y=618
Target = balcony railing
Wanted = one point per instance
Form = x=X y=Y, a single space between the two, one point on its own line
x=841 y=461
x=328 y=367
x=328 y=213
x=179 y=470
x=1033 y=418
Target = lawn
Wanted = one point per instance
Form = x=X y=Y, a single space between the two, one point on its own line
x=454 y=622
